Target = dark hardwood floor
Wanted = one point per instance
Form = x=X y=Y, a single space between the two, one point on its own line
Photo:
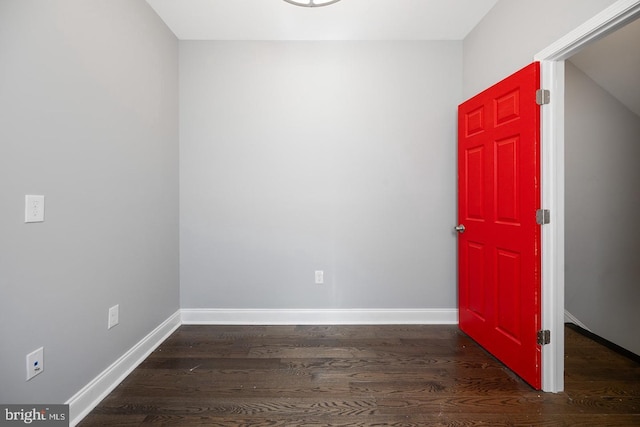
x=361 y=376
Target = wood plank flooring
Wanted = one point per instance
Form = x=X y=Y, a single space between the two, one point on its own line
x=361 y=376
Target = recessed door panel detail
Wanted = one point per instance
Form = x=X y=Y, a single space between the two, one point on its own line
x=507 y=107
x=474 y=185
x=507 y=274
x=506 y=180
x=474 y=122
x=476 y=285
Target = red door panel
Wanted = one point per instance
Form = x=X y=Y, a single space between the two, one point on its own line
x=498 y=195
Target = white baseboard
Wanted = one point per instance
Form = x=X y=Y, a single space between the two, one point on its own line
x=220 y=316
x=570 y=318
x=88 y=398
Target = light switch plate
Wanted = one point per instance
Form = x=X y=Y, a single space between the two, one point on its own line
x=113 y=316
x=33 y=208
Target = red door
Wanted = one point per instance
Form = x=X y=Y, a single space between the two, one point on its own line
x=498 y=195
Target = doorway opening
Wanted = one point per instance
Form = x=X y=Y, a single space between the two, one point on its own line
x=602 y=130
x=552 y=61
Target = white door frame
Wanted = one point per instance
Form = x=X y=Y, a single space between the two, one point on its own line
x=552 y=177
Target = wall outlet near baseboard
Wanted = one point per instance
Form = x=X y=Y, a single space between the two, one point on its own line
x=319 y=277
x=35 y=363
x=33 y=208
x=113 y=316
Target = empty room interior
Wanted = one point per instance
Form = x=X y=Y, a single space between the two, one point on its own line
x=253 y=163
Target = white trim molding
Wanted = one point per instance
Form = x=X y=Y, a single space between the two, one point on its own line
x=552 y=197
x=552 y=176
x=221 y=316
x=570 y=318
x=609 y=20
x=88 y=398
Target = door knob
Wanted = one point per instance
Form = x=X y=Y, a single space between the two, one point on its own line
x=460 y=228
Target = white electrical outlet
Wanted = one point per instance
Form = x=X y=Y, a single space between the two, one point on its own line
x=113 y=316
x=319 y=277
x=35 y=363
x=33 y=208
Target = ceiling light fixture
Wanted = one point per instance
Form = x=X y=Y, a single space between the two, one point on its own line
x=312 y=3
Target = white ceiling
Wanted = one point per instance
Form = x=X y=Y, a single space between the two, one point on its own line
x=345 y=20
x=614 y=64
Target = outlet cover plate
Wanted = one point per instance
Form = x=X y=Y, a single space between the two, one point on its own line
x=33 y=208
x=319 y=277
x=35 y=363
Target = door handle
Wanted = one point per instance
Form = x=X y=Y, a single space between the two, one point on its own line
x=460 y=228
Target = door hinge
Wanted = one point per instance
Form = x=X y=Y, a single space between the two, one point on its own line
x=543 y=216
x=544 y=337
x=543 y=96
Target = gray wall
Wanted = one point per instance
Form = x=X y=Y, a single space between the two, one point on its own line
x=513 y=32
x=602 y=149
x=88 y=118
x=303 y=156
